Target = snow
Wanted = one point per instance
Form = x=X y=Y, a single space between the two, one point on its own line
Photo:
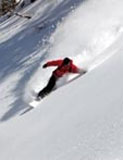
x=82 y=120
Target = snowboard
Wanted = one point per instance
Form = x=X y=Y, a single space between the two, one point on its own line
x=35 y=102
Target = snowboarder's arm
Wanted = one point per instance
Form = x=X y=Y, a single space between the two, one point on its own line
x=53 y=63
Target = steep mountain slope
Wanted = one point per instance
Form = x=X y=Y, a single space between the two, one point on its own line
x=81 y=120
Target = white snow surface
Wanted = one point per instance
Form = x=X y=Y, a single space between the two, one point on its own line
x=82 y=120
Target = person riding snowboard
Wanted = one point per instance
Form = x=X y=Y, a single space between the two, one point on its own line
x=64 y=66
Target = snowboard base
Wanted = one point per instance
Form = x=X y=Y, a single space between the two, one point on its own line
x=35 y=103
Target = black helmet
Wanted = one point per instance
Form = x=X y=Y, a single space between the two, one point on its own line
x=66 y=61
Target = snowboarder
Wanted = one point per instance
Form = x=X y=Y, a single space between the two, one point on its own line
x=64 y=66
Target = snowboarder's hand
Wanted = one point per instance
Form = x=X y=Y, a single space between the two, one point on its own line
x=84 y=71
x=45 y=65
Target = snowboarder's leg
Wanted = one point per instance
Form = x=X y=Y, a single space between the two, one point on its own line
x=48 y=88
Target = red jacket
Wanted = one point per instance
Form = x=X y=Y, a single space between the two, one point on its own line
x=62 y=69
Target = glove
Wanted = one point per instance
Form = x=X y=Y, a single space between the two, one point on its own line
x=45 y=65
x=84 y=71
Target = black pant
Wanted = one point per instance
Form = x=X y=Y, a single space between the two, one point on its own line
x=49 y=87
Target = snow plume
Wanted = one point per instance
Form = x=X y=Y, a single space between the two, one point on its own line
x=87 y=32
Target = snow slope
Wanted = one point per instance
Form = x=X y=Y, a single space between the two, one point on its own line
x=81 y=120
